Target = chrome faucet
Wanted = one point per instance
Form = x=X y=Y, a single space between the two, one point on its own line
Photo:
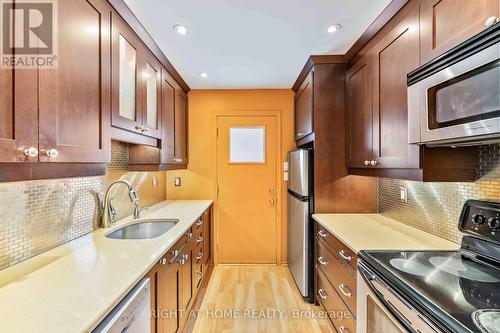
x=109 y=214
x=137 y=210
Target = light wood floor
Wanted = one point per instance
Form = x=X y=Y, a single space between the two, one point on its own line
x=248 y=299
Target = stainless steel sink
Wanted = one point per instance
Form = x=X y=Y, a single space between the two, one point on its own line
x=145 y=229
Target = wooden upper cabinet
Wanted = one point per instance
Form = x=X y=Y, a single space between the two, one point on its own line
x=136 y=82
x=359 y=84
x=446 y=23
x=18 y=115
x=181 y=128
x=168 y=122
x=151 y=76
x=304 y=104
x=74 y=99
x=126 y=88
x=394 y=56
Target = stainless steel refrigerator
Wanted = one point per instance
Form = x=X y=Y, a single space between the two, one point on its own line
x=299 y=222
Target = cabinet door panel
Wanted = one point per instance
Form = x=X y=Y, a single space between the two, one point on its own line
x=74 y=99
x=18 y=114
x=304 y=108
x=168 y=122
x=447 y=23
x=151 y=75
x=359 y=104
x=394 y=57
x=181 y=128
x=126 y=97
x=168 y=278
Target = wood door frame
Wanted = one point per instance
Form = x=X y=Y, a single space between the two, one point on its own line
x=256 y=112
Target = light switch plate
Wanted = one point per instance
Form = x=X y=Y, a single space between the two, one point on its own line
x=403 y=194
x=177 y=181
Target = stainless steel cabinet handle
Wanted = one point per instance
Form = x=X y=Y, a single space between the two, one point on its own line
x=163 y=261
x=322 y=260
x=271 y=201
x=322 y=233
x=199 y=256
x=373 y=163
x=343 y=288
x=344 y=255
x=31 y=152
x=492 y=20
x=200 y=275
x=199 y=239
x=145 y=129
x=139 y=128
x=322 y=293
x=367 y=163
x=300 y=134
x=343 y=329
x=189 y=235
x=200 y=222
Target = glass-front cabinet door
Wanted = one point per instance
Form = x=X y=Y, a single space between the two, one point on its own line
x=125 y=92
x=151 y=117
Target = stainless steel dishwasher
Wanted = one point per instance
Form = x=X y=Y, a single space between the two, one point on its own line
x=132 y=314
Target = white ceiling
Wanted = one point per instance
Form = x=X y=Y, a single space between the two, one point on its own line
x=251 y=43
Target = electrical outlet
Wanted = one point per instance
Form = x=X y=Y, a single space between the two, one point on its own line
x=403 y=194
x=177 y=182
x=285 y=176
x=285 y=166
x=154 y=181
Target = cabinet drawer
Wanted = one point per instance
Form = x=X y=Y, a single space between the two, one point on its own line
x=338 y=274
x=343 y=320
x=341 y=251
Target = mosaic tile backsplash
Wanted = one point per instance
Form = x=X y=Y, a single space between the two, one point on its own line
x=436 y=207
x=36 y=216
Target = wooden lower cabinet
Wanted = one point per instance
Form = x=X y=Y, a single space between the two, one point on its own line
x=176 y=280
x=335 y=280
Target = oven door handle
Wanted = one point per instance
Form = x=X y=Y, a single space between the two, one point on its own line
x=402 y=311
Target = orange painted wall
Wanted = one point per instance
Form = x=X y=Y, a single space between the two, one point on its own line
x=199 y=180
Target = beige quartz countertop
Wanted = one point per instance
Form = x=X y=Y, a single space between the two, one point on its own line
x=376 y=232
x=74 y=286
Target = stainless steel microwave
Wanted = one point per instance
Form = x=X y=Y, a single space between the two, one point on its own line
x=455 y=100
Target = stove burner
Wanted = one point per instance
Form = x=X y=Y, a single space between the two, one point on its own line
x=410 y=266
x=488 y=321
x=464 y=269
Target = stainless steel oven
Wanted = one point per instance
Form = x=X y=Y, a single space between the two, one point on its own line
x=455 y=100
x=382 y=309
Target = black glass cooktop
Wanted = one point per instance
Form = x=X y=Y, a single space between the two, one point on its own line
x=461 y=294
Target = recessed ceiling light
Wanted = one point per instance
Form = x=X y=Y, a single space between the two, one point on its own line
x=203 y=75
x=181 y=29
x=332 y=28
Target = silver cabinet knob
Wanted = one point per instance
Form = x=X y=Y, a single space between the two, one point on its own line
x=322 y=260
x=31 y=152
x=322 y=293
x=367 y=163
x=343 y=289
x=199 y=256
x=322 y=233
x=300 y=134
x=163 y=261
x=138 y=127
x=199 y=239
x=492 y=20
x=51 y=153
x=373 y=163
x=145 y=129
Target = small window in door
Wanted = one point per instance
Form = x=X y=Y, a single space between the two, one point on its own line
x=247 y=145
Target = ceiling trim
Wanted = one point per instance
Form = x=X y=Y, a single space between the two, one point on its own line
x=126 y=13
x=389 y=12
x=315 y=60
